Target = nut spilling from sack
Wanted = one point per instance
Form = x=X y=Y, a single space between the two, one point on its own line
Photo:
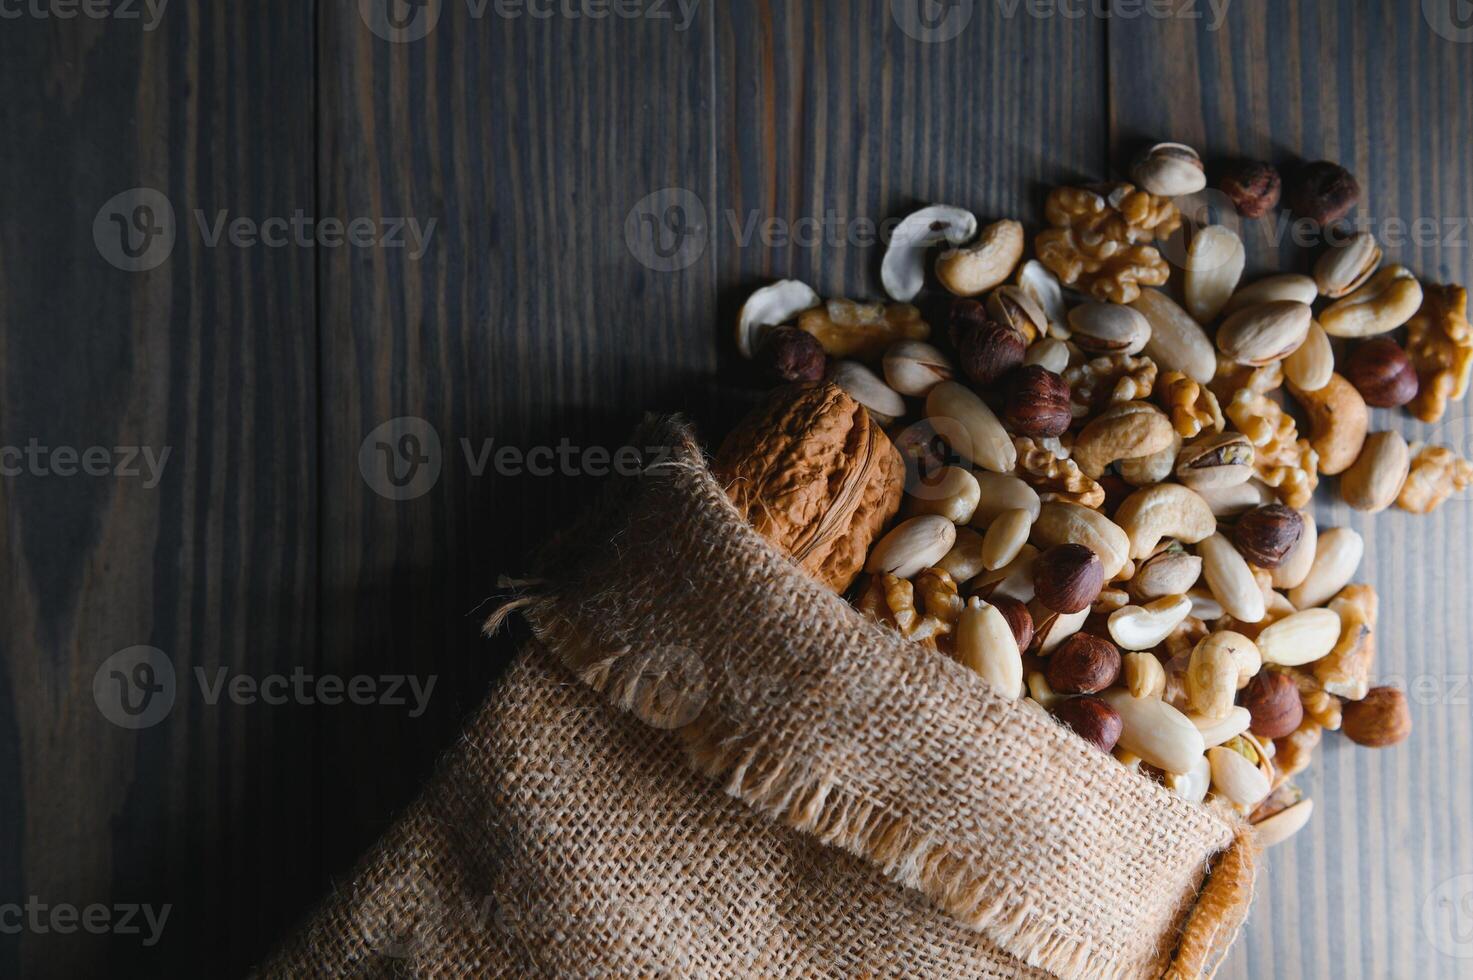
x=1092 y=494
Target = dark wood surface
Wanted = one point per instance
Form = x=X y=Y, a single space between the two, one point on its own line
x=545 y=150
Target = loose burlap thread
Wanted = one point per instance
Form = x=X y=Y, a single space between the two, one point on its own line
x=884 y=813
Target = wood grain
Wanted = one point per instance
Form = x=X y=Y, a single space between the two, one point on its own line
x=1364 y=84
x=603 y=193
x=210 y=356
x=531 y=322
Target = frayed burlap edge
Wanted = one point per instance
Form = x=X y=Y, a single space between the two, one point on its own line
x=798 y=795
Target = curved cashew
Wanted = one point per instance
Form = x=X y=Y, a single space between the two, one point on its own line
x=1338 y=420
x=986 y=263
x=1148 y=470
x=1386 y=301
x=1144 y=627
x=903 y=269
x=777 y=303
x=1166 y=510
x=1126 y=431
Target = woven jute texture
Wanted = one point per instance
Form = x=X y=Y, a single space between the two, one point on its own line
x=708 y=765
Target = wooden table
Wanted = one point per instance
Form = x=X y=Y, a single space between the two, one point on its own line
x=771 y=136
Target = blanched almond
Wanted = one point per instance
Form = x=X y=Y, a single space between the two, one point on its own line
x=1300 y=638
x=1231 y=580
x=1337 y=555
x=1156 y=732
x=1234 y=777
x=985 y=643
x=1309 y=368
x=912 y=546
x=1215 y=261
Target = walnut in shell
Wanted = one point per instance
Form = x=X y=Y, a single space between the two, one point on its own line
x=815 y=476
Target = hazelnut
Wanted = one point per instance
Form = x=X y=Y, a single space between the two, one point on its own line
x=1083 y=664
x=1067 y=578
x=789 y=354
x=1272 y=699
x=1323 y=192
x=1019 y=619
x=1038 y=403
x=925 y=454
x=1253 y=186
x=1382 y=718
x=986 y=349
x=1383 y=374
x=1091 y=719
x=1265 y=535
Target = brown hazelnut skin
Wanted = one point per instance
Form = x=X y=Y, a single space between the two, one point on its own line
x=1272 y=698
x=1067 y=578
x=1020 y=620
x=1093 y=720
x=1037 y=402
x=1383 y=373
x=1083 y=664
x=1382 y=718
x=924 y=453
x=1265 y=535
x=1253 y=186
x=1323 y=192
x=986 y=349
x=788 y=354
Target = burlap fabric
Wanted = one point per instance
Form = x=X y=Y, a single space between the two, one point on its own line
x=708 y=765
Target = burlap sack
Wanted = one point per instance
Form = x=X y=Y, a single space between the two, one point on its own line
x=778 y=788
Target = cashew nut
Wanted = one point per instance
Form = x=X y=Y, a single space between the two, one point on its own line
x=1146 y=470
x=1126 y=431
x=986 y=263
x=1144 y=627
x=1386 y=301
x=1166 y=510
x=1338 y=419
x=903 y=269
x=769 y=306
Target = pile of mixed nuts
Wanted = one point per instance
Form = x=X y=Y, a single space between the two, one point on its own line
x=1106 y=500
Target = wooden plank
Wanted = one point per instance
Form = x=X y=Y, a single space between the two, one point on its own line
x=208 y=357
x=540 y=315
x=1365 y=84
x=840 y=115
